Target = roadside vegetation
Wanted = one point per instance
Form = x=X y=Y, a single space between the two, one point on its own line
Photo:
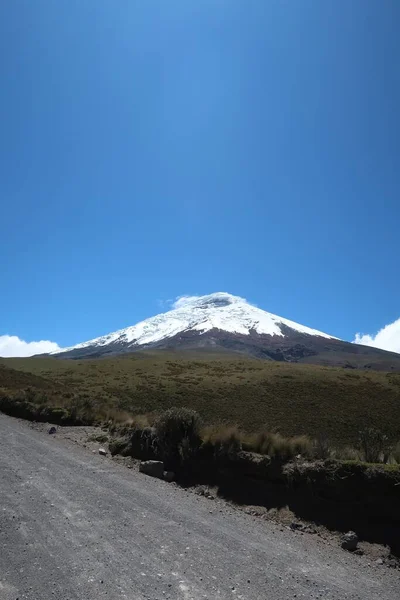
x=179 y=433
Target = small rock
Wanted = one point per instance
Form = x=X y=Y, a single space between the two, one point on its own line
x=295 y=526
x=379 y=561
x=154 y=468
x=310 y=529
x=52 y=430
x=169 y=476
x=102 y=451
x=359 y=552
x=350 y=541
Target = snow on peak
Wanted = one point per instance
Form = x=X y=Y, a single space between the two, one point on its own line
x=201 y=313
x=211 y=300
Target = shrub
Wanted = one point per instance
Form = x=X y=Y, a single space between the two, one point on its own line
x=19 y=406
x=102 y=438
x=322 y=448
x=144 y=443
x=55 y=415
x=119 y=446
x=373 y=444
x=177 y=431
x=136 y=442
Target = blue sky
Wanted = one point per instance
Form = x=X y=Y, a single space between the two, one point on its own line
x=154 y=149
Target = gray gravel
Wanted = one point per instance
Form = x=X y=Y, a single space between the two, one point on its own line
x=73 y=525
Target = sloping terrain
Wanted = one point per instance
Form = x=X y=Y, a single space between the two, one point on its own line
x=291 y=398
x=294 y=347
x=16 y=379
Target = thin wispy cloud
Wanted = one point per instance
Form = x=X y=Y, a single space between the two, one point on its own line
x=387 y=338
x=183 y=300
x=13 y=346
x=186 y=299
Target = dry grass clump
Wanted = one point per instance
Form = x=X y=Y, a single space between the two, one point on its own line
x=113 y=416
x=223 y=437
x=231 y=438
x=347 y=453
x=278 y=446
x=121 y=423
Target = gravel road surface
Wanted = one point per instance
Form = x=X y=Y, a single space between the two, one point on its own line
x=73 y=525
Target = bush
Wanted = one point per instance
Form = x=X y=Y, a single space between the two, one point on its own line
x=322 y=448
x=18 y=406
x=373 y=444
x=177 y=431
x=61 y=416
x=119 y=446
x=102 y=438
x=144 y=443
x=136 y=442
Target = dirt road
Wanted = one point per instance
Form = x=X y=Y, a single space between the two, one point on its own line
x=75 y=526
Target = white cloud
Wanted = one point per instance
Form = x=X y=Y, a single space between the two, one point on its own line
x=187 y=300
x=183 y=300
x=11 y=345
x=387 y=338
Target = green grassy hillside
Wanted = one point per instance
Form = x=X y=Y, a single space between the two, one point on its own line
x=290 y=398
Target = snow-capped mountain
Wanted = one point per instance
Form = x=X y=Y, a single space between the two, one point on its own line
x=220 y=311
x=225 y=322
